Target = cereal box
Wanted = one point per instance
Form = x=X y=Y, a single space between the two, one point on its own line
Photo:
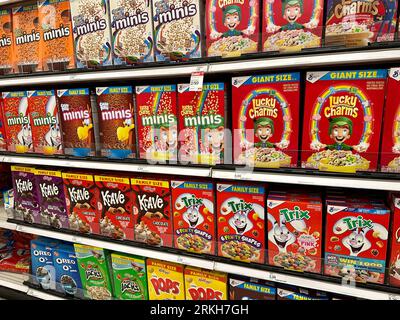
x=115 y=207
x=58 y=42
x=45 y=120
x=17 y=122
x=116 y=122
x=177 y=29
x=156 y=112
x=232 y=27
x=152 y=211
x=81 y=198
x=165 y=280
x=293 y=293
x=202 y=123
x=355 y=23
x=94 y=268
x=194 y=216
x=292 y=25
x=92 y=34
x=6 y=43
x=3 y=134
x=265 y=119
x=241 y=288
x=130 y=279
x=132 y=31
x=394 y=262
x=342 y=120
x=241 y=232
x=202 y=284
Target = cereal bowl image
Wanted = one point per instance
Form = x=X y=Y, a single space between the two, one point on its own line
x=239 y=251
x=232 y=46
x=338 y=161
x=293 y=40
x=69 y=284
x=44 y=277
x=265 y=158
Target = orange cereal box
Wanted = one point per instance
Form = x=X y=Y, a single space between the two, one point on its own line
x=394 y=262
x=6 y=42
x=202 y=284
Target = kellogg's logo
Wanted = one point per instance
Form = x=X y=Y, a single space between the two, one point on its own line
x=201 y=293
x=168 y=286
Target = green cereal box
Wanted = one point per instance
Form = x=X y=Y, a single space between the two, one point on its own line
x=129 y=274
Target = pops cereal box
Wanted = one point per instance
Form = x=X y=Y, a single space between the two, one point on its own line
x=202 y=123
x=342 y=120
x=116 y=122
x=152 y=211
x=156 y=112
x=115 y=206
x=6 y=43
x=165 y=280
x=394 y=260
x=241 y=288
x=292 y=25
x=241 y=229
x=194 y=216
x=202 y=284
x=265 y=119
x=232 y=27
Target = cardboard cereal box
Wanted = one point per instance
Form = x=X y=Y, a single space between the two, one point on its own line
x=45 y=120
x=293 y=293
x=115 y=207
x=81 y=198
x=165 y=280
x=152 y=211
x=241 y=288
x=265 y=111
x=202 y=123
x=57 y=38
x=194 y=216
x=156 y=112
x=342 y=120
x=92 y=34
x=177 y=30
x=116 y=122
x=6 y=43
x=232 y=27
x=202 y=284
x=292 y=25
x=3 y=133
x=132 y=31
x=130 y=278
x=394 y=262
x=241 y=229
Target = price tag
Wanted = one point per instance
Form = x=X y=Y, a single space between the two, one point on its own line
x=20 y=228
x=142 y=169
x=394 y=296
x=196 y=81
x=180 y=259
x=32 y=293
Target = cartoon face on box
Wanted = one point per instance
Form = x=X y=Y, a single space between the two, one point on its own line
x=265 y=120
x=241 y=234
x=205 y=285
x=342 y=120
x=394 y=265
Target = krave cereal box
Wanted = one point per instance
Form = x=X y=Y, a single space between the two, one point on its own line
x=342 y=120
x=6 y=43
x=394 y=262
x=265 y=119
x=241 y=288
x=203 y=284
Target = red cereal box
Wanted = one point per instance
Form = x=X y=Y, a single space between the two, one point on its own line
x=394 y=263
x=201 y=284
x=115 y=207
x=152 y=211
x=156 y=113
x=342 y=120
x=241 y=231
x=3 y=135
x=194 y=222
x=232 y=27
x=265 y=120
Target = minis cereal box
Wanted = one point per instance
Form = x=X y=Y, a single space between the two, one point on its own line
x=241 y=232
x=342 y=120
x=232 y=27
x=46 y=131
x=205 y=285
x=265 y=119
x=152 y=211
x=241 y=288
x=115 y=206
x=292 y=25
x=156 y=111
x=116 y=122
x=177 y=29
x=165 y=280
x=202 y=123
x=6 y=43
x=394 y=262
x=194 y=216
x=3 y=133
x=132 y=31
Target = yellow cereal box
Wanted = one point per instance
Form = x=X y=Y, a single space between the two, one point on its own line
x=202 y=284
x=6 y=48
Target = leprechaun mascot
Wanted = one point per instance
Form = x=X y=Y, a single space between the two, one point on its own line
x=264 y=130
x=292 y=10
x=232 y=16
x=340 y=130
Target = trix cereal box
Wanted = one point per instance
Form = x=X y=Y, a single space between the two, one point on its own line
x=293 y=293
x=292 y=25
x=115 y=207
x=116 y=122
x=241 y=232
x=165 y=280
x=202 y=123
x=394 y=264
x=156 y=112
x=205 y=285
x=46 y=132
x=342 y=120
x=130 y=279
x=265 y=119
x=194 y=216
x=232 y=27
x=6 y=43
x=241 y=288
x=152 y=211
